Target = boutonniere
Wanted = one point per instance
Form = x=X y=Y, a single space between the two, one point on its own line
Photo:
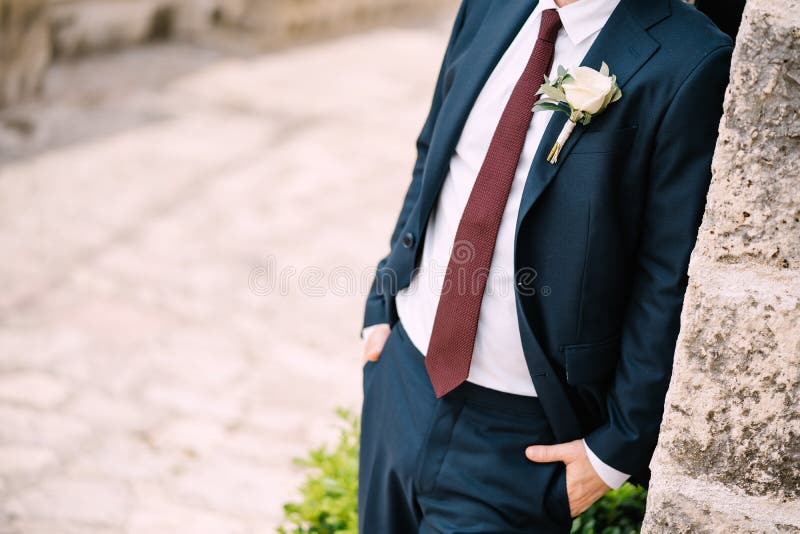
x=581 y=93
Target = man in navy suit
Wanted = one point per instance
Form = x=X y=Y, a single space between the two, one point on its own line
x=520 y=333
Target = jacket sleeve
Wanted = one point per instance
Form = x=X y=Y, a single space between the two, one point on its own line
x=375 y=312
x=679 y=178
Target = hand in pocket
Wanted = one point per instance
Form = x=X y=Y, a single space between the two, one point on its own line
x=376 y=339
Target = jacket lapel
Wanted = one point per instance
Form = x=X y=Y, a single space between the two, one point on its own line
x=625 y=45
x=501 y=24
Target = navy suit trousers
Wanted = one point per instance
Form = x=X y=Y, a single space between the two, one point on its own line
x=451 y=465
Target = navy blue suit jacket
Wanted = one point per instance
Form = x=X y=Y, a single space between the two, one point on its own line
x=604 y=236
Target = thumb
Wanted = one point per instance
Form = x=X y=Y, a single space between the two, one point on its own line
x=550 y=453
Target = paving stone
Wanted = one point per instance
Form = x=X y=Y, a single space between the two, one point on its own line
x=24 y=460
x=191 y=436
x=32 y=388
x=28 y=427
x=107 y=413
x=125 y=458
x=94 y=502
x=29 y=526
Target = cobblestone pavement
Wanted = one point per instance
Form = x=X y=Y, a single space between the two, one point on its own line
x=155 y=375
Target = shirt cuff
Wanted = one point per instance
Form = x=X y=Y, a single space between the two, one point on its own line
x=612 y=477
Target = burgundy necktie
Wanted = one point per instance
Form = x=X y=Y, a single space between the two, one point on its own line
x=456 y=322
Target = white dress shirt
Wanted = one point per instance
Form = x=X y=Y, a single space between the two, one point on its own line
x=498 y=361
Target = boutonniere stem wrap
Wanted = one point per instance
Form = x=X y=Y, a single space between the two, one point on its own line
x=581 y=93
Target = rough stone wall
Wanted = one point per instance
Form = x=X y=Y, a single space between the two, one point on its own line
x=24 y=49
x=728 y=458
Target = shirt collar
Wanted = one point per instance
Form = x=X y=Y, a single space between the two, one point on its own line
x=583 y=18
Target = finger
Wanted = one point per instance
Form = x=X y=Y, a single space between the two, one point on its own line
x=374 y=344
x=565 y=452
x=545 y=453
x=372 y=351
x=371 y=356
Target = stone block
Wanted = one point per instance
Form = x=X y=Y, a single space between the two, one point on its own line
x=732 y=409
x=690 y=506
x=24 y=49
x=91 y=25
x=753 y=211
x=287 y=20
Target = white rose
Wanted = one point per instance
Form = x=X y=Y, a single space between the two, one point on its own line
x=589 y=89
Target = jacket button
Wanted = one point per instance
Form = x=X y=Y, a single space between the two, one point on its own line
x=408 y=240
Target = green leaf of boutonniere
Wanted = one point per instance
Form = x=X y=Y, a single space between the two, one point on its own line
x=551 y=106
x=552 y=93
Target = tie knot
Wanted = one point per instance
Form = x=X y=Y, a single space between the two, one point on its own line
x=551 y=23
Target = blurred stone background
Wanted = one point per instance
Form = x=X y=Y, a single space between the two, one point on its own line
x=188 y=222
x=33 y=31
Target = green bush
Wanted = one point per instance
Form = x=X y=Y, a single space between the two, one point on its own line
x=330 y=492
x=329 y=495
x=618 y=512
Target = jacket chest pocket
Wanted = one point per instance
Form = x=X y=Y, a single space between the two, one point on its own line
x=590 y=363
x=606 y=141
